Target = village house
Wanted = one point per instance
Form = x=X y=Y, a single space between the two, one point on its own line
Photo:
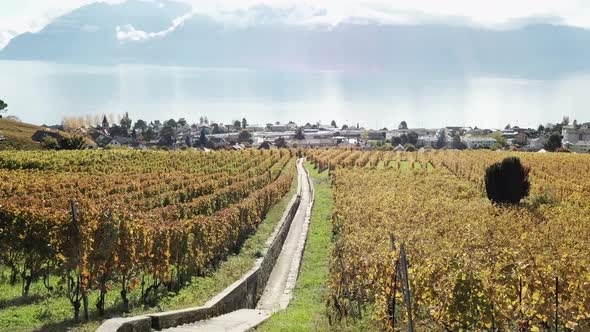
x=429 y=141
x=576 y=139
x=580 y=147
x=254 y=128
x=574 y=135
x=314 y=142
x=279 y=128
x=479 y=142
x=521 y=139
x=536 y=144
x=419 y=131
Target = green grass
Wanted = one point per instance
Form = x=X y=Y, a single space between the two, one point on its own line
x=307 y=310
x=43 y=312
x=18 y=135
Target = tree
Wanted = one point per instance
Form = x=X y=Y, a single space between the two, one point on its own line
x=237 y=124
x=413 y=138
x=507 y=126
x=203 y=138
x=264 y=146
x=457 y=143
x=403 y=139
x=72 y=143
x=244 y=136
x=50 y=143
x=215 y=129
x=167 y=135
x=409 y=147
x=576 y=125
x=395 y=141
x=140 y=125
x=126 y=121
x=281 y=143
x=507 y=182
x=500 y=140
x=188 y=141
x=333 y=124
x=118 y=131
x=345 y=127
x=299 y=134
x=441 y=139
x=553 y=142
x=3 y=106
x=182 y=122
x=541 y=129
x=403 y=125
x=565 y=121
x=149 y=134
x=171 y=123
x=365 y=135
x=244 y=123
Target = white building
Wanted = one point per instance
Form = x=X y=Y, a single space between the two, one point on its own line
x=419 y=131
x=427 y=141
x=479 y=142
x=572 y=135
x=254 y=128
x=580 y=147
x=576 y=139
x=279 y=128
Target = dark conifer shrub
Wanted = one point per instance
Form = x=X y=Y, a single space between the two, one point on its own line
x=507 y=182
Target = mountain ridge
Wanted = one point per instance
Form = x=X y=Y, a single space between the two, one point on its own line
x=169 y=33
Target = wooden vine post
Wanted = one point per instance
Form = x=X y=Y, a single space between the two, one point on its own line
x=401 y=275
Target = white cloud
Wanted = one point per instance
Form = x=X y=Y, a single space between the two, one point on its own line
x=128 y=33
x=574 y=12
x=5 y=37
x=32 y=15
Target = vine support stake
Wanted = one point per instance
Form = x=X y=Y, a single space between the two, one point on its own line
x=407 y=294
x=556 y=303
x=395 y=273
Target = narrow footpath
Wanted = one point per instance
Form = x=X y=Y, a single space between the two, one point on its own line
x=278 y=291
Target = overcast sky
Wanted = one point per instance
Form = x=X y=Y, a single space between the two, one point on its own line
x=17 y=16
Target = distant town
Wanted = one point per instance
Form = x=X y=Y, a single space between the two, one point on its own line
x=120 y=131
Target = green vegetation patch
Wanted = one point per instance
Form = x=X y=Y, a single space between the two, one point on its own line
x=307 y=310
x=18 y=135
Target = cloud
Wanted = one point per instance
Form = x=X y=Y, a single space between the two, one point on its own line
x=5 y=37
x=32 y=15
x=128 y=33
x=486 y=13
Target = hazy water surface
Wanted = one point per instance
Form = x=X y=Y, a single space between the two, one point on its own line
x=45 y=92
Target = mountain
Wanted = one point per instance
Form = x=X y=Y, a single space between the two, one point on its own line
x=89 y=34
x=168 y=33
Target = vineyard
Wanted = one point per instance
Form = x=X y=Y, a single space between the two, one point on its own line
x=471 y=265
x=123 y=221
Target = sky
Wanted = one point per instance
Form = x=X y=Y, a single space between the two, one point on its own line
x=18 y=16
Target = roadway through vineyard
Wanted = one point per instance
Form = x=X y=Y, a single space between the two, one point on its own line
x=282 y=280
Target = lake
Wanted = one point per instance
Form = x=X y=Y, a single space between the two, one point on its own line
x=40 y=93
